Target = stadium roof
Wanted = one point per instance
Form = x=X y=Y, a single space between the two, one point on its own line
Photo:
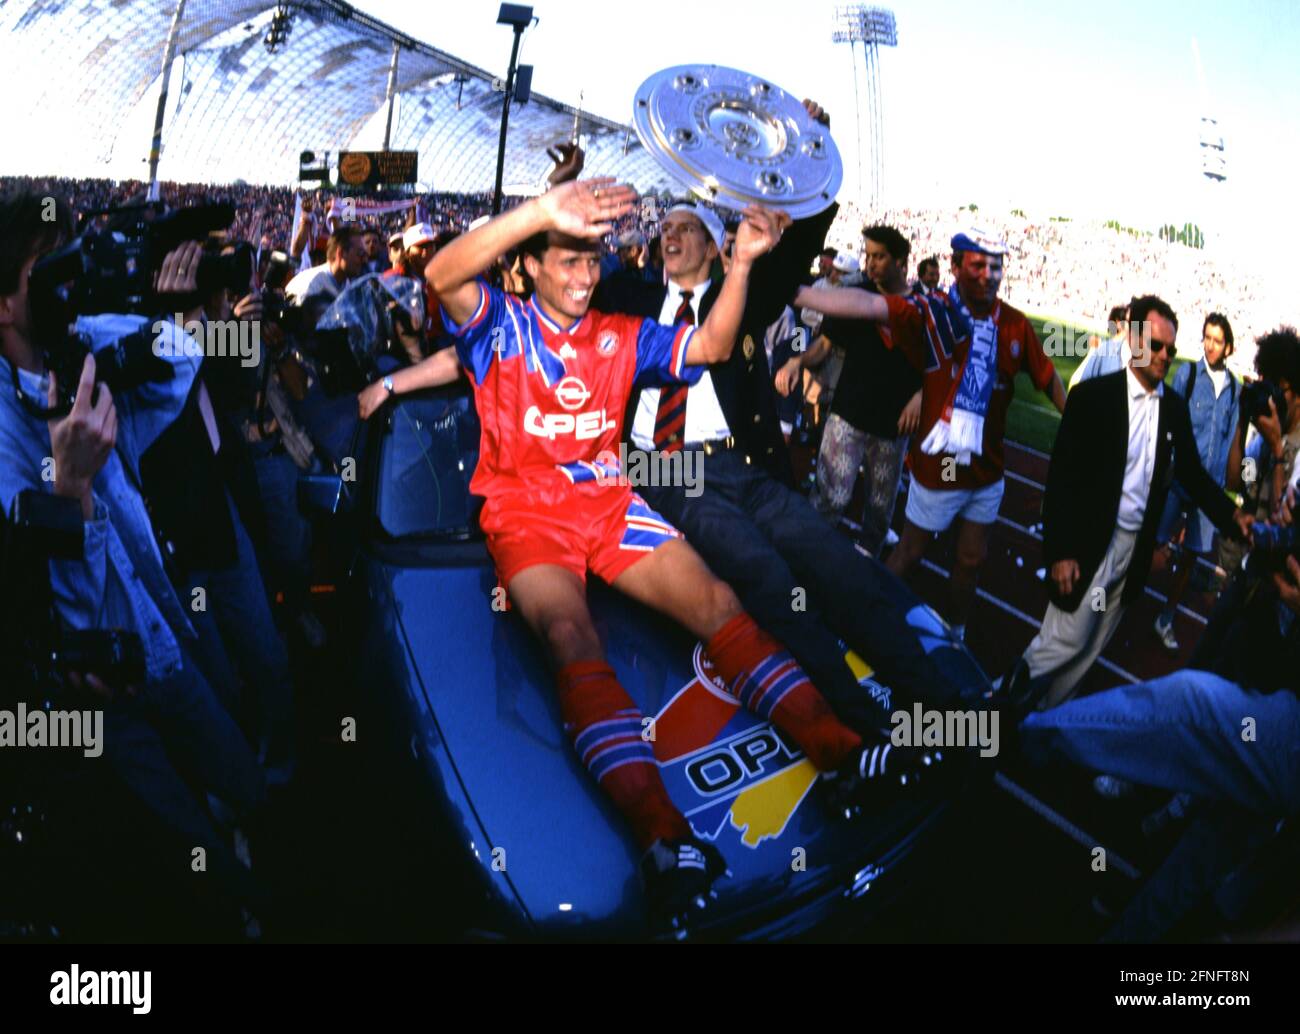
x=80 y=66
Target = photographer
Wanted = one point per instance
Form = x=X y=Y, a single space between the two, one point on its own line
x=91 y=454
x=205 y=515
x=280 y=448
x=1261 y=469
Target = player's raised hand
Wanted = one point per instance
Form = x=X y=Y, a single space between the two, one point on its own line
x=587 y=208
x=758 y=232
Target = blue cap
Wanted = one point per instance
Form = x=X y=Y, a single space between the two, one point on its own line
x=979 y=240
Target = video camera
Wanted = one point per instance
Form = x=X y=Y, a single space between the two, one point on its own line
x=112 y=270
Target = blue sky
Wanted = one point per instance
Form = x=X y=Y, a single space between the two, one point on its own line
x=1083 y=109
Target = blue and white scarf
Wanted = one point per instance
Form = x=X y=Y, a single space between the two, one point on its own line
x=960 y=429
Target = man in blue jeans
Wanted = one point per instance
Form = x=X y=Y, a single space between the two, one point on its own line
x=1228 y=735
x=1190 y=732
x=1211 y=392
x=172 y=722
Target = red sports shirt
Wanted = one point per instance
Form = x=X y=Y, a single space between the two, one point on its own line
x=551 y=399
x=914 y=326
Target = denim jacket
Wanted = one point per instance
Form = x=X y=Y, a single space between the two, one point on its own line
x=120 y=582
x=1214 y=419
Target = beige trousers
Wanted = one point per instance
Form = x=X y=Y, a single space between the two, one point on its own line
x=1068 y=643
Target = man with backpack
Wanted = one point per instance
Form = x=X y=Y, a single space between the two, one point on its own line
x=1212 y=394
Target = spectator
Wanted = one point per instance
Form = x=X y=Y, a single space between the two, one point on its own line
x=822 y=362
x=1211 y=392
x=840 y=266
x=877 y=404
x=927 y=275
x=826 y=262
x=396 y=264
x=375 y=261
x=345 y=258
x=311 y=231
x=1105 y=356
x=1122 y=440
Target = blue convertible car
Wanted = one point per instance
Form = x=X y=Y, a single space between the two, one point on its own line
x=467 y=696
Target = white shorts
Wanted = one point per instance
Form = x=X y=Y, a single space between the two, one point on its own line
x=935 y=510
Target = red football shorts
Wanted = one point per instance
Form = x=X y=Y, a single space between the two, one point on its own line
x=605 y=532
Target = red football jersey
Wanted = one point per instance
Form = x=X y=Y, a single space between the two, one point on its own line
x=939 y=357
x=550 y=398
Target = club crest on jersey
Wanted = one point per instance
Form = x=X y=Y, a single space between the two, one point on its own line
x=571 y=393
x=1015 y=350
x=607 y=344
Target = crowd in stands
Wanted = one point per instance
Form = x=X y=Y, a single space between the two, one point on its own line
x=1078 y=269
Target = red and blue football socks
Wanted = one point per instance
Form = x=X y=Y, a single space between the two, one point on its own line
x=607 y=730
x=763 y=676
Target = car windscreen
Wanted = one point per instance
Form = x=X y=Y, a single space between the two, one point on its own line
x=425 y=463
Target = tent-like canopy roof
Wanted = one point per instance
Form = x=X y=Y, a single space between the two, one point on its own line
x=80 y=66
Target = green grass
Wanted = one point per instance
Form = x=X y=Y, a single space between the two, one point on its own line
x=1032 y=419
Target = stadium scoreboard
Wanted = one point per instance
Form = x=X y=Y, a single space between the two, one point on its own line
x=377 y=168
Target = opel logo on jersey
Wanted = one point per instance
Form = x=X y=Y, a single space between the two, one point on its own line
x=582 y=426
x=571 y=393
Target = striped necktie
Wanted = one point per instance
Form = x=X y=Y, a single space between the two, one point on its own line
x=670 y=420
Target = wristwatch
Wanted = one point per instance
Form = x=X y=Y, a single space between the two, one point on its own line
x=387 y=382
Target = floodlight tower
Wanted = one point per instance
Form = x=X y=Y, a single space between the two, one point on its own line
x=1214 y=166
x=1212 y=196
x=873 y=27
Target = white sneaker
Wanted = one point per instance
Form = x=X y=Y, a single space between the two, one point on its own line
x=1165 y=633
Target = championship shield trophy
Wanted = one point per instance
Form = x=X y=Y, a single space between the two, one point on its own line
x=735 y=139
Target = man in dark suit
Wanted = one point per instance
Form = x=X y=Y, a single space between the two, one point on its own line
x=1123 y=441
x=802 y=582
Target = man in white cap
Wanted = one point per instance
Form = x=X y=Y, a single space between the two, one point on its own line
x=969 y=351
x=417 y=244
x=417 y=249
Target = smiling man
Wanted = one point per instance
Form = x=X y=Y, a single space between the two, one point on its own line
x=1123 y=440
x=551 y=381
